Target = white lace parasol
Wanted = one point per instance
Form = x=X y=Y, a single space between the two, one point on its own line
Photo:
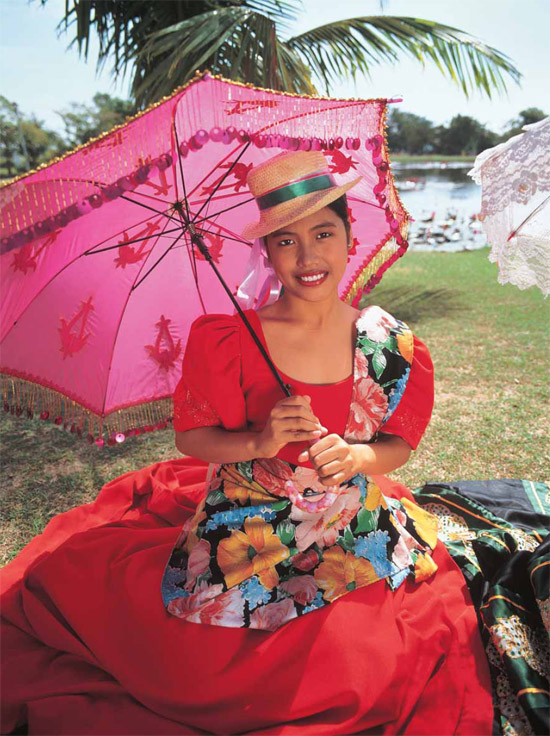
x=515 y=210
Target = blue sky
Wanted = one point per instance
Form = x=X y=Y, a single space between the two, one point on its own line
x=41 y=76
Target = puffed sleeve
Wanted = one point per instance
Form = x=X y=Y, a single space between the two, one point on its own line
x=209 y=392
x=412 y=414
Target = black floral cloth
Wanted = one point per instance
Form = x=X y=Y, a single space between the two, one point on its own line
x=497 y=532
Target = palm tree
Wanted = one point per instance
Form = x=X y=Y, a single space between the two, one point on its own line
x=164 y=42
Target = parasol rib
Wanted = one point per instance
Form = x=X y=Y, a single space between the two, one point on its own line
x=164 y=233
x=197 y=240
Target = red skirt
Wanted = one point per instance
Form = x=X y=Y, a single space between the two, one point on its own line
x=88 y=648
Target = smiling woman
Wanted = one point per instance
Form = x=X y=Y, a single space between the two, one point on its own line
x=294 y=549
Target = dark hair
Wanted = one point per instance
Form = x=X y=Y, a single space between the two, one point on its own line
x=340 y=208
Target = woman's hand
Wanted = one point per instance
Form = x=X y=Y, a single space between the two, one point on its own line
x=334 y=460
x=290 y=420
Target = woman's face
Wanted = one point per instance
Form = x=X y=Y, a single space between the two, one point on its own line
x=310 y=256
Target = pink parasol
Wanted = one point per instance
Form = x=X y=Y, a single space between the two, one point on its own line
x=100 y=280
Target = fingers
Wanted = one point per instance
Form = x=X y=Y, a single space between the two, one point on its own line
x=317 y=452
x=295 y=408
x=333 y=480
x=296 y=424
x=330 y=469
x=331 y=441
x=302 y=436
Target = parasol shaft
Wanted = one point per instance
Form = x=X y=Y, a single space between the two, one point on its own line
x=197 y=240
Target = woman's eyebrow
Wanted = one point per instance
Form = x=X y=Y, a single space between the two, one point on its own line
x=324 y=224
x=278 y=233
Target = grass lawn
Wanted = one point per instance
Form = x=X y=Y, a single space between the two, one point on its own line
x=490 y=348
x=411 y=158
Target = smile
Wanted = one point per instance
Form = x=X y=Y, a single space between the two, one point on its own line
x=313 y=279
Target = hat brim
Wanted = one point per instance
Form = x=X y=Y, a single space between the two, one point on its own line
x=285 y=214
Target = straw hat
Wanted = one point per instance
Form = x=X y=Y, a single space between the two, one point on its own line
x=289 y=186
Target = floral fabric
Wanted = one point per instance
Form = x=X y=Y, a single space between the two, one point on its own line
x=505 y=564
x=261 y=550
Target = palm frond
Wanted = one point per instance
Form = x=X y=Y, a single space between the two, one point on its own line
x=346 y=47
x=235 y=41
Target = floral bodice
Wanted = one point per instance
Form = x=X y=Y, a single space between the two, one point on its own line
x=269 y=542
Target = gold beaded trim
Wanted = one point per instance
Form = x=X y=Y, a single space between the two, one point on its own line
x=389 y=249
x=198 y=76
x=19 y=396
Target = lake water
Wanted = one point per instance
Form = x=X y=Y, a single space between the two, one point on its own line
x=443 y=209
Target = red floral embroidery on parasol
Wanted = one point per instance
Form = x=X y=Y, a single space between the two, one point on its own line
x=73 y=341
x=242 y=106
x=240 y=172
x=166 y=358
x=127 y=254
x=341 y=163
x=26 y=257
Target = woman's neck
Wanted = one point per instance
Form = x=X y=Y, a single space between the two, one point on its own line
x=312 y=315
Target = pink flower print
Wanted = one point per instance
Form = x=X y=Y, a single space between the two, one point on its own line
x=307 y=478
x=198 y=562
x=305 y=560
x=303 y=588
x=400 y=516
x=272 y=474
x=401 y=555
x=210 y=606
x=323 y=527
x=273 y=615
x=226 y=610
x=376 y=323
x=396 y=518
x=368 y=408
x=183 y=607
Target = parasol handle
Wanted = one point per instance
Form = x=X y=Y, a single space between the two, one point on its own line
x=197 y=240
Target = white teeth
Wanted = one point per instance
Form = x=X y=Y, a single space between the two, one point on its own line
x=318 y=277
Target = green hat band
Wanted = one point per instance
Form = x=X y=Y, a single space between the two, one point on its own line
x=296 y=189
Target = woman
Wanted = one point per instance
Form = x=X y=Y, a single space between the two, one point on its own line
x=302 y=596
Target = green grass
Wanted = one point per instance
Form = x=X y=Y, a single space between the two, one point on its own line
x=411 y=158
x=489 y=344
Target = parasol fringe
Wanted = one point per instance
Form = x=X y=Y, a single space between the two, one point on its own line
x=198 y=76
x=388 y=250
x=26 y=398
x=365 y=278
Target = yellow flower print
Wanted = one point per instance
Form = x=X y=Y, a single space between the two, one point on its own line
x=424 y=522
x=424 y=567
x=255 y=551
x=341 y=572
x=374 y=497
x=405 y=343
x=237 y=488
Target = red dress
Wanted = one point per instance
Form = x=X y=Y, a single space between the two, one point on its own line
x=89 y=648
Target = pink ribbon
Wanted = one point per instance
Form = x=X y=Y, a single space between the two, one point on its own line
x=247 y=293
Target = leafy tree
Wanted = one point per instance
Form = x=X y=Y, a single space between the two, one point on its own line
x=465 y=136
x=9 y=137
x=82 y=122
x=409 y=132
x=526 y=117
x=165 y=41
x=41 y=144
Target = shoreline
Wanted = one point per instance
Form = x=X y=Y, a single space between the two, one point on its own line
x=411 y=158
